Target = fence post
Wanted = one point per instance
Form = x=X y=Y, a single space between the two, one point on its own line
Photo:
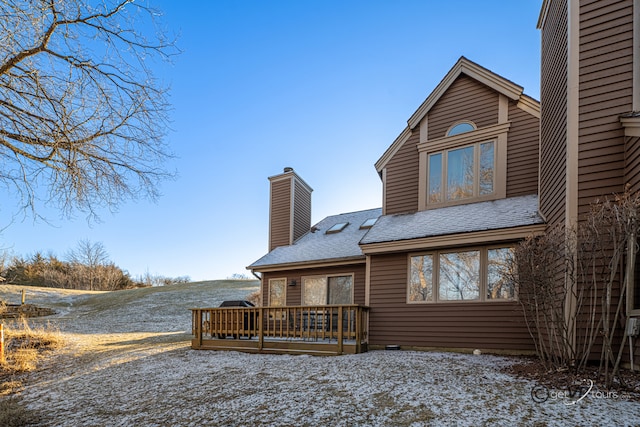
x=2 y=343
x=24 y=296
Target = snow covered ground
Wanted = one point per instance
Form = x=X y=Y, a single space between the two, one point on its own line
x=128 y=363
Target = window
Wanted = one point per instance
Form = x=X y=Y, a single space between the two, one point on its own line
x=459 y=275
x=337 y=228
x=465 y=167
x=421 y=279
x=461 y=173
x=323 y=290
x=499 y=276
x=461 y=127
x=469 y=275
x=368 y=223
x=277 y=292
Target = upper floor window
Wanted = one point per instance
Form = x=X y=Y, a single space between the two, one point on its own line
x=461 y=127
x=461 y=173
x=464 y=168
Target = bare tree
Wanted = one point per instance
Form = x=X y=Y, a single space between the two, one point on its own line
x=87 y=258
x=88 y=253
x=82 y=118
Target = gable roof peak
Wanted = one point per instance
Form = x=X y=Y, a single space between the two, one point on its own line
x=476 y=72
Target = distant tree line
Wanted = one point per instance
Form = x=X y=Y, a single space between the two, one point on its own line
x=87 y=267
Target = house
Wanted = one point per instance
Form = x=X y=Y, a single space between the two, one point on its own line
x=459 y=189
x=479 y=167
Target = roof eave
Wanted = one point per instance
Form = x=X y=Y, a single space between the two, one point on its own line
x=360 y=259
x=451 y=240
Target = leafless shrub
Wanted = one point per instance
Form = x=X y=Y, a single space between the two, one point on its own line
x=572 y=286
x=254 y=298
x=539 y=265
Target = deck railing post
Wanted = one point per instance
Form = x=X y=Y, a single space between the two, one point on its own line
x=261 y=319
x=199 y=327
x=340 y=332
x=358 y=326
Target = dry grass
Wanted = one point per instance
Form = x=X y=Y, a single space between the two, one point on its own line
x=24 y=345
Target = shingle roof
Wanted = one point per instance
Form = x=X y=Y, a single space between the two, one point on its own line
x=319 y=246
x=493 y=215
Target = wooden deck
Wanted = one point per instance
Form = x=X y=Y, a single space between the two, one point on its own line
x=319 y=330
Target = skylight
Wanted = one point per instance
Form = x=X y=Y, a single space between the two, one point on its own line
x=337 y=228
x=368 y=223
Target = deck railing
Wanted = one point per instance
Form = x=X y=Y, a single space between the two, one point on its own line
x=334 y=329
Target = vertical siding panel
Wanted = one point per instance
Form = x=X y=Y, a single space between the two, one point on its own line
x=554 y=114
x=606 y=81
x=606 y=67
x=632 y=163
x=279 y=215
x=302 y=211
x=402 y=178
x=522 y=153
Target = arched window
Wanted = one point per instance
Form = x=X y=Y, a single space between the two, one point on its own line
x=461 y=127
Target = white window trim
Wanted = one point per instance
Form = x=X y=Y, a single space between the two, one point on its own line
x=496 y=133
x=484 y=276
x=326 y=278
x=461 y=122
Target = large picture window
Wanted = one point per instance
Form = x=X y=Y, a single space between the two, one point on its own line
x=470 y=275
x=461 y=173
x=323 y=290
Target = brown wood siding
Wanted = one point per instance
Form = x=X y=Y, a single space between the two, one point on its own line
x=444 y=325
x=402 y=178
x=553 y=133
x=632 y=163
x=294 y=293
x=280 y=214
x=465 y=99
x=302 y=211
x=606 y=67
x=522 y=152
x=605 y=92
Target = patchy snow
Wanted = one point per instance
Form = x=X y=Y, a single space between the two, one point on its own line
x=127 y=366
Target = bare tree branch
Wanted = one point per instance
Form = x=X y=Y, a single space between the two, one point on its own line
x=82 y=117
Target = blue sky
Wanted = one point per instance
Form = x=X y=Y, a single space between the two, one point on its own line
x=321 y=86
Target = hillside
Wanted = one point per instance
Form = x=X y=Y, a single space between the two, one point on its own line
x=156 y=309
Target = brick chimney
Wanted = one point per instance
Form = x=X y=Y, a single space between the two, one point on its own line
x=289 y=208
